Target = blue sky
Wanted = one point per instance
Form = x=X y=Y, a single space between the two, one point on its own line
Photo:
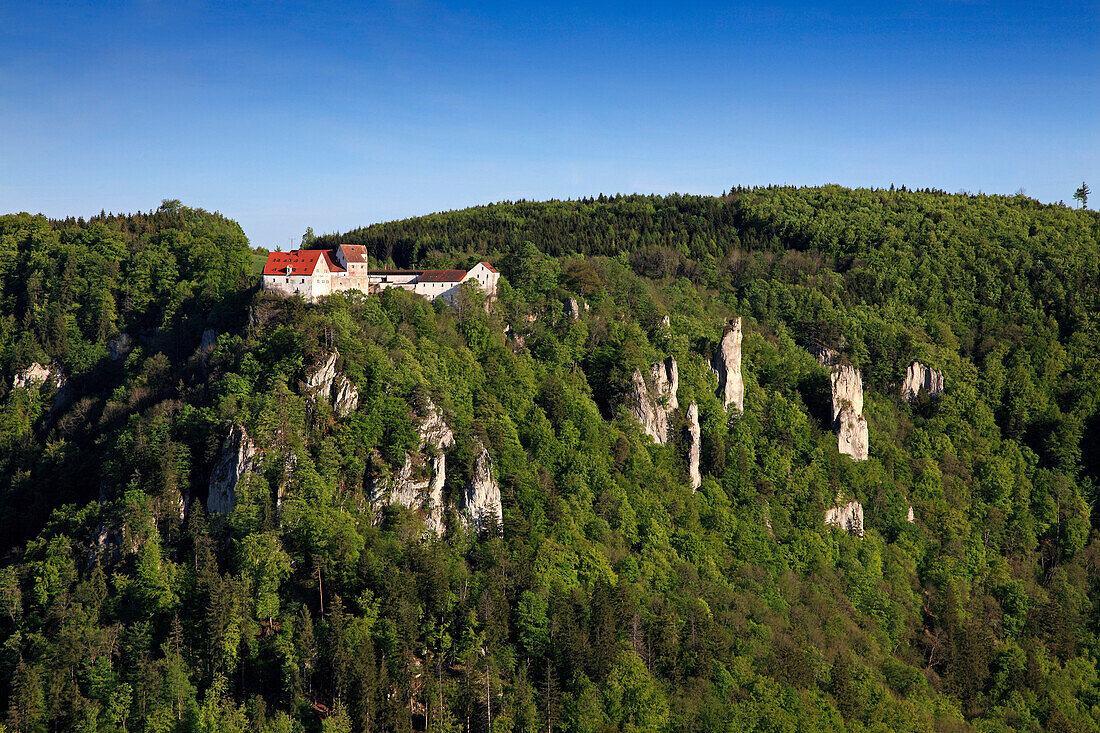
x=285 y=115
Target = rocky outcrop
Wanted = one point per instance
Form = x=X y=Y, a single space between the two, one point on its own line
x=119 y=346
x=767 y=520
x=652 y=407
x=345 y=397
x=852 y=437
x=666 y=382
x=517 y=340
x=694 y=437
x=851 y=426
x=826 y=356
x=433 y=428
x=572 y=309
x=238 y=457
x=328 y=383
x=911 y=517
x=726 y=363
x=418 y=485
x=35 y=375
x=847 y=390
x=206 y=346
x=320 y=380
x=481 y=500
x=848 y=517
x=918 y=377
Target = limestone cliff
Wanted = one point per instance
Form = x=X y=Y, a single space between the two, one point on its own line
x=848 y=517
x=852 y=437
x=35 y=375
x=918 y=377
x=119 y=346
x=694 y=436
x=847 y=390
x=238 y=457
x=345 y=397
x=851 y=426
x=481 y=500
x=572 y=309
x=418 y=485
x=329 y=384
x=652 y=407
x=726 y=363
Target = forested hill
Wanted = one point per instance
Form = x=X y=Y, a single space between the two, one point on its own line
x=195 y=539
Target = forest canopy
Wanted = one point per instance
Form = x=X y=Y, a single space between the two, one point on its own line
x=608 y=595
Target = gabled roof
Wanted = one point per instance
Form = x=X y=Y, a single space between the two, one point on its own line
x=300 y=262
x=488 y=267
x=442 y=276
x=356 y=253
x=333 y=265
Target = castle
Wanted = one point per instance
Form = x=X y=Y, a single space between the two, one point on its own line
x=314 y=273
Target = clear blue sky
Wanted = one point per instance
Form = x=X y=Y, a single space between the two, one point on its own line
x=285 y=115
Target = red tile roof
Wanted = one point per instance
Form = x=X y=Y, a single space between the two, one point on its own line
x=489 y=267
x=301 y=262
x=354 y=252
x=333 y=265
x=441 y=276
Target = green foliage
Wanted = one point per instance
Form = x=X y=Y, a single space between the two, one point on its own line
x=611 y=596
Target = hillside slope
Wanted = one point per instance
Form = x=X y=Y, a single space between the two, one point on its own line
x=428 y=515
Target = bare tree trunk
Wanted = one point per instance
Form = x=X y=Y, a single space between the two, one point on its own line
x=488 y=701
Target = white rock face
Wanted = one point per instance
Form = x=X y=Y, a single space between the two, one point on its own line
x=852 y=435
x=911 y=517
x=847 y=390
x=320 y=380
x=851 y=426
x=419 y=483
x=326 y=382
x=119 y=346
x=434 y=430
x=694 y=437
x=918 y=377
x=848 y=518
x=572 y=309
x=481 y=501
x=238 y=457
x=652 y=408
x=35 y=375
x=726 y=363
x=345 y=397
x=666 y=382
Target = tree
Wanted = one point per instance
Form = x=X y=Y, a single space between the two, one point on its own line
x=1082 y=194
